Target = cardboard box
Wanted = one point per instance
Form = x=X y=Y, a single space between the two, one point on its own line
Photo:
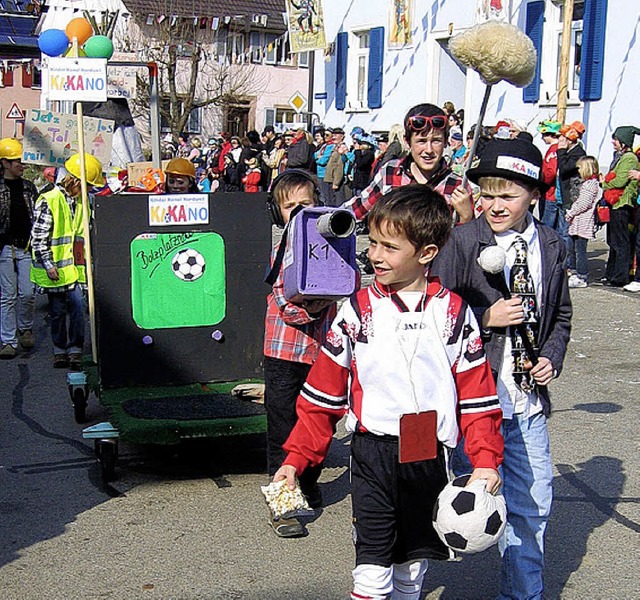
x=137 y=169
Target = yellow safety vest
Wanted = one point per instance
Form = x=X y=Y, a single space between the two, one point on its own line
x=67 y=243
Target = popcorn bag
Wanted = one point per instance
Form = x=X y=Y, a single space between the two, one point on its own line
x=285 y=503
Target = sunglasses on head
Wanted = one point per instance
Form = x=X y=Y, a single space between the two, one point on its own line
x=420 y=122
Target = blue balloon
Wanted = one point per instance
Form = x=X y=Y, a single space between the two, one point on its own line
x=53 y=42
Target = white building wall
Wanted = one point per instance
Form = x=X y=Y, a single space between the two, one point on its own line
x=421 y=74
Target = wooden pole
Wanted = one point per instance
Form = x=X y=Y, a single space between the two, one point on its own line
x=85 y=223
x=563 y=76
x=476 y=134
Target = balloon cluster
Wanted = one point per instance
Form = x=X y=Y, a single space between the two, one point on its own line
x=55 y=42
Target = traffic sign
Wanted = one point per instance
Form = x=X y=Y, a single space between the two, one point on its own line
x=298 y=102
x=15 y=112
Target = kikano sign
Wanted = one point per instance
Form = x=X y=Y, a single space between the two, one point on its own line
x=83 y=79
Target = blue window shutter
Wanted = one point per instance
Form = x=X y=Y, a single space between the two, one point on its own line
x=592 y=60
x=376 y=58
x=534 y=26
x=342 y=46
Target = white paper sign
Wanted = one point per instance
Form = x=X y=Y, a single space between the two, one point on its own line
x=178 y=209
x=121 y=82
x=78 y=79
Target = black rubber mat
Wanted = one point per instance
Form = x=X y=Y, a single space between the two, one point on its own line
x=189 y=408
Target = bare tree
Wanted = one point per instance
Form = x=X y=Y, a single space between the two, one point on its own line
x=198 y=66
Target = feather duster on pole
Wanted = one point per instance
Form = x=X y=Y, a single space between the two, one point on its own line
x=497 y=51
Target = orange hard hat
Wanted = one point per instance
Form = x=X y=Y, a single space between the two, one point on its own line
x=181 y=166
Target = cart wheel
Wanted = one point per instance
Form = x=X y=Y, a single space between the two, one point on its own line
x=79 y=405
x=107 y=451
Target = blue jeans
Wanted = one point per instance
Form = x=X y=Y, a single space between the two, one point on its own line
x=16 y=294
x=527 y=480
x=554 y=217
x=527 y=477
x=67 y=340
x=577 y=260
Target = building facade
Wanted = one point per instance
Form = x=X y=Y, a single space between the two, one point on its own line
x=384 y=56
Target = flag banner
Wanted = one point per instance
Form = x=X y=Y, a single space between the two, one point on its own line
x=305 y=23
x=400 y=23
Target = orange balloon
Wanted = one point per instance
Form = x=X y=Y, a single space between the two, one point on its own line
x=79 y=28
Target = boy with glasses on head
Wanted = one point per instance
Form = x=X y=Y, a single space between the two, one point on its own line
x=426 y=133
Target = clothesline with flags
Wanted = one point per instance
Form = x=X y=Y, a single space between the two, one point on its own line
x=12 y=64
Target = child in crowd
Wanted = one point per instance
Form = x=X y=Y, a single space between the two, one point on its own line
x=405 y=361
x=581 y=219
x=525 y=336
x=251 y=179
x=293 y=334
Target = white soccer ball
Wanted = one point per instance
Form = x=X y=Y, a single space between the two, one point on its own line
x=188 y=264
x=469 y=519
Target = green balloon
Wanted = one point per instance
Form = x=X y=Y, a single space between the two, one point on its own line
x=99 y=46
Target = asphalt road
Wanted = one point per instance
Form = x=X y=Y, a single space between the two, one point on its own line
x=190 y=522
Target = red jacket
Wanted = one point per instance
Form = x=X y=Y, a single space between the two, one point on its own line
x=550 y=171
x=252 y=181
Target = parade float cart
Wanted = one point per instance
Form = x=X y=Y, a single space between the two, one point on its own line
x=179 y=311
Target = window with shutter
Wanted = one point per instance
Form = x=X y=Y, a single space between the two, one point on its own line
x=534 y=27
x=7 y=77
x=27 y=76
x=552 y=42
x=592 y=60
x=342 y=45
x=269 y=116
x=376 y=58
x=255 y=46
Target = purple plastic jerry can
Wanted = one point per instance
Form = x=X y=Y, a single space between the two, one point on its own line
x=320 y=256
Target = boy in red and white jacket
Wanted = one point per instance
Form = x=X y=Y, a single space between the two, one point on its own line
x=404 y=349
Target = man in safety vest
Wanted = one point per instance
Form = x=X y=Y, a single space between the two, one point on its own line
x=17 y=200
x=58 y=258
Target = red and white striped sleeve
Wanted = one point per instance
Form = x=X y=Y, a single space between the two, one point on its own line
x=323 y=400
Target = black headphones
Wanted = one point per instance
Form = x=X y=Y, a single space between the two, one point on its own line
x=272 y=205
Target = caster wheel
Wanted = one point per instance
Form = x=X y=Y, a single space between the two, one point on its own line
x=79 y=406
x=107 y=451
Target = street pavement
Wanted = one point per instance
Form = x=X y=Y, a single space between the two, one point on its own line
x=190 y=522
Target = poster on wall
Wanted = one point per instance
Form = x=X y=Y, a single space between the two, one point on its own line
x=487 y=10
x=305 y=23
x=400 y=23
x=50 y=138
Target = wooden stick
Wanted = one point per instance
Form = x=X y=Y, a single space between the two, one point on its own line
x=476 y=134
x=85 y=223
x=563 y=75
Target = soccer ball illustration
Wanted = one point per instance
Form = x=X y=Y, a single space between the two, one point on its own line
x=188 y=264
x=469 y=519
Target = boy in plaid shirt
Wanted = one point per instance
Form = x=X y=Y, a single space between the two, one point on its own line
x=293 y=336
x=425 y=127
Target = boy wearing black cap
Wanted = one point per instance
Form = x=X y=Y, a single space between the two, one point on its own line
x=511 y=270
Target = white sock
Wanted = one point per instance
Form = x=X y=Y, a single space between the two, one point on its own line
x=407 y=579
x=372 y=582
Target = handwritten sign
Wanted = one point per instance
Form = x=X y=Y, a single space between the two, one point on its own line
x=50 y=138
x=121 y=82
x=83 y=79
x=178 y=209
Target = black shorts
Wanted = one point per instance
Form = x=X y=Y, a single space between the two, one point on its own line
x=393 y=503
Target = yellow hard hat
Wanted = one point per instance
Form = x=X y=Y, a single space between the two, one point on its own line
x=181 y=166
x=93 y=168
x=10 y=148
